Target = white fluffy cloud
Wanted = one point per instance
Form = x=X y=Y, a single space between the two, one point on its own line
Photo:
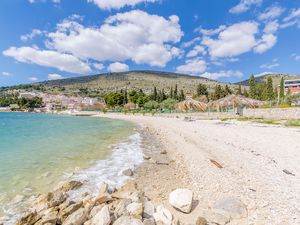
x=134 y=35
x=197 y=50
x=30 y=36
x=117 y=4
x=271 y=13
x=98 y=66
x=192 y=67
x=55 y=76
x=267 y=41
x=292 y=19
x=48 y=58
x=234 y=40
x=244 y=6
x=271 y=65
x=6 y=74
x=33 y=79
x=223 y=74
x=117 y=67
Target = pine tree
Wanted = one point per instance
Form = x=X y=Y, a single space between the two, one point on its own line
x=155 y=94
x=219 y=92
x=239 y=91
x=252 y=90
x=181 y=96
x=227 y=90
x=246 y=93
x=171 y=93
x=269 y=89
x=202 y=90
x=175 y=92
x=125 y=97
x=281 y=94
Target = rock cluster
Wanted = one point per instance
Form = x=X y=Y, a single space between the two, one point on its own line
x=124 y=206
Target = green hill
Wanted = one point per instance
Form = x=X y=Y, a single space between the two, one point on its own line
x=94 y=85
x=276 y=78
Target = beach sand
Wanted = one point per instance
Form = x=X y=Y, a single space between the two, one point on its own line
x=255 y=164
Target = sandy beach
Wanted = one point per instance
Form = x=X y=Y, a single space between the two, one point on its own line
x=255 y=165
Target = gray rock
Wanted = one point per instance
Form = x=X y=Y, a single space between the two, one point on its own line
x=128 y=172
x=231 y=207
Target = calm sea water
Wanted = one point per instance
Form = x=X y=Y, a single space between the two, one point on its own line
x=38 y=150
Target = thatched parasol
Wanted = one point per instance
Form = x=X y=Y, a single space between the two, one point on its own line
x=129 y=106
x=234 y=101
x=191 y=105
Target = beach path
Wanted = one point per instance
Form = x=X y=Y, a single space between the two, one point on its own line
x=256 y=163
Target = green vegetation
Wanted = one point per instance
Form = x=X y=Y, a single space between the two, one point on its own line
x=23 y=103
x=293 y=123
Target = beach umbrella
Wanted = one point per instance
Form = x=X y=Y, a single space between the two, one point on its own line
x=234 y=101
x=191 y=105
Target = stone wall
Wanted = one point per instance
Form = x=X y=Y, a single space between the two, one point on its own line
x=273 y=113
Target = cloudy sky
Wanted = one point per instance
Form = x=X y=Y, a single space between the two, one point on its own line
x=224 y=40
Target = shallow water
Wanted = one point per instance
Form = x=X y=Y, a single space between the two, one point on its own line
x=38 y=150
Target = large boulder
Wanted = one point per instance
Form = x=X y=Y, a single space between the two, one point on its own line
x=50 y=216
x=135 y=209
x=70 y=185
x=181 y=199
x=120 y=208
x=56 y=198
x=163 y=215
x=29 y=219
x=102 y=217
x=76 y=218
x=128 y=191
x=64 y=213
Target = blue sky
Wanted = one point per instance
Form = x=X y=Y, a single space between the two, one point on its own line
x=225 y=40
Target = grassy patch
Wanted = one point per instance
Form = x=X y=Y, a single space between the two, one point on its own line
x=293 y=123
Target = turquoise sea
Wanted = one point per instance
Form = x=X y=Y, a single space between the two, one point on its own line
x=39 y=150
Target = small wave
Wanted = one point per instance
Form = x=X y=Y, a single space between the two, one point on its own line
x=127 y=154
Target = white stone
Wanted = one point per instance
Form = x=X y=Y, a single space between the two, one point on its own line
x=181 y=199
x=102 y=217
x=163 y=215
x=148 y=209
x=135 y=209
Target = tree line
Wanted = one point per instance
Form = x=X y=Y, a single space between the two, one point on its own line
x=140 y=99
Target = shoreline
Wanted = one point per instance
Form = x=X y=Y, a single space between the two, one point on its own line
x=227 y=188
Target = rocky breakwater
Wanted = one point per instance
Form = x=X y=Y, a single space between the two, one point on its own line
x=124 y=206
